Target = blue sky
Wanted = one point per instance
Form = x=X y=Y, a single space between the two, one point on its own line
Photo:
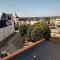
x=31 y=8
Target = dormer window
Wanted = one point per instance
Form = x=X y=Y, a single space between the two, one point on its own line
x=9 y=18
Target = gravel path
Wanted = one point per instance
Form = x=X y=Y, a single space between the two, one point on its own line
x=44 y=51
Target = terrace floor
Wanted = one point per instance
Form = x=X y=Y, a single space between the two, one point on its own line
x=44 y=51
x=13 y=43
x=10 y=44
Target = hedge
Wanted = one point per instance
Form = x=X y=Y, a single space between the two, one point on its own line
x=35 y=32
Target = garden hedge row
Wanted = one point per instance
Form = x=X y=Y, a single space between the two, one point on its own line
x=35 y=32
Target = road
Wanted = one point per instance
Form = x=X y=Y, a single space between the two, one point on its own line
x=43 y=51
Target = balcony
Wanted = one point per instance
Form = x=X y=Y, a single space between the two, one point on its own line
x=40 y=51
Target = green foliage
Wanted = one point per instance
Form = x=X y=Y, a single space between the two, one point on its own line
x=36 y=31
x=3 y=54
x=16 y=26
x=47 y=19
x=23 y=30
x=40 y=30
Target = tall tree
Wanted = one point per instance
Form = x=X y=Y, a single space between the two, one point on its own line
x=47 y=19
x=16 y=15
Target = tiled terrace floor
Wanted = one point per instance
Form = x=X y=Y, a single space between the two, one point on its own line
x=44 y=51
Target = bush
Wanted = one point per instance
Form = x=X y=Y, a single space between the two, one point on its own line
x=23 y=29
x=23 y=32
x=38 y=31
x=35 y=32
x=16 y=26
x=47 y=32
x=3 y=54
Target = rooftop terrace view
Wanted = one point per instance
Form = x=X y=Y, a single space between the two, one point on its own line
x=31 y=40
x=29 y=30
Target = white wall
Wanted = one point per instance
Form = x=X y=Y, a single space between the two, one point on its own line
x=29 y=22
x=6 y=31
x=32 y=22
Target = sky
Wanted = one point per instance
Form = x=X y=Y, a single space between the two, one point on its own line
x=31 y=8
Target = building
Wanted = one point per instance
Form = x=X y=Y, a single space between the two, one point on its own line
x=57 y=23
x=6 y=26
x=5 y=16
x=29 y=20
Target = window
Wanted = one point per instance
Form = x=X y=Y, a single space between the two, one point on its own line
x=3 y=23
x=9 y=18
x=8 y=23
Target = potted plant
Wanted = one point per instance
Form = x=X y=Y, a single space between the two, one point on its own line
x=3 y=54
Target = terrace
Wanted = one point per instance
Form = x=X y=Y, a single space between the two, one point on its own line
x=40 y=49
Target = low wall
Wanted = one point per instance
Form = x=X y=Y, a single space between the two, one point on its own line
x=6 y=31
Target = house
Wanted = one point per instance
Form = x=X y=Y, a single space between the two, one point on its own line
x=6 y=26
x=5 y=16
x=57 y=23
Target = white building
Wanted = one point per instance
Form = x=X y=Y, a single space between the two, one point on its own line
x=57 y=23
x=28 y=21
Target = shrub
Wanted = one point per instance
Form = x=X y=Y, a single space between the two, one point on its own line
x=38 y=31
x=3 y=54
x=16 y=26
x=35 y=32
x=23 y=29
x=23 y=32
x=47 y=32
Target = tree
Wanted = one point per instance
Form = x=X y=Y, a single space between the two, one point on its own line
x=16 y=15
x=47 y=19
x=40 y=30
x=35 y=32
